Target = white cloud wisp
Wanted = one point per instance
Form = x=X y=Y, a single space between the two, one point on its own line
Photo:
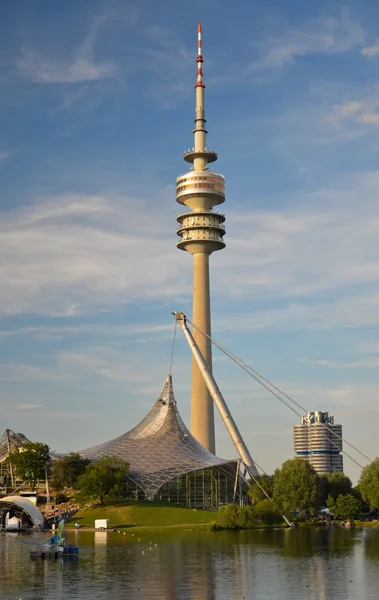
x=82 y=68
x=78 y=254
x=320 y=36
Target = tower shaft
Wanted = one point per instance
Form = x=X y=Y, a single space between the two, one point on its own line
x=201 y=232
x=202 y=417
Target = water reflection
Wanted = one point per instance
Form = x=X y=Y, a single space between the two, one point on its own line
x=306 y=564
x=371 y=544
x=101 y=546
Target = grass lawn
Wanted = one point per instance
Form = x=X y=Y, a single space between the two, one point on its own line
x=144 y=514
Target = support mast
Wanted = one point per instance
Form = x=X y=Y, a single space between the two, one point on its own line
x=9 y=453
x=218 y=398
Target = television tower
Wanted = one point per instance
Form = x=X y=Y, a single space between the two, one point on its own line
x=201 y=232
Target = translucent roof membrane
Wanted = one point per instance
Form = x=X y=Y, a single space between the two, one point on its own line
x=159 y=448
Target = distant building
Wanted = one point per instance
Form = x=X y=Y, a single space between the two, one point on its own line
x=319 y=441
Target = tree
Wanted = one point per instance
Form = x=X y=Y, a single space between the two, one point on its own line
x=66 y=471
x=295 y=486
x=104 y=480
x=255 y=493
x=345 y=506
x=339 y=484
x=245 y=516
x=265 y=512
x=369 y=484
x=30 y=462
x=332 y=484
x=230 y=516
x=236 y=517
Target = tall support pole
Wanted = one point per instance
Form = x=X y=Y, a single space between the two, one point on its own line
x=203 y=488
x=223 y=409
x=47 y=492
x=9 y=453
x=240 y=485
x=218 y=399
x=236 y=481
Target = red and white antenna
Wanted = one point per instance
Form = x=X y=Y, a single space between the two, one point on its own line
x=199 y=60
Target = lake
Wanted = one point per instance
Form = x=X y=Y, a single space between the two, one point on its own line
x=296 y=564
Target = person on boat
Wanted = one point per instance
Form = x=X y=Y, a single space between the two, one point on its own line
x=53 y=540
x=57 y=540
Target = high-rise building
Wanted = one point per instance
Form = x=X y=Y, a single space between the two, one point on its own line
x=319 y=441
x=201 y=232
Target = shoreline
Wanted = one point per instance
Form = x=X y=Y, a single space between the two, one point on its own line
x=208 y=527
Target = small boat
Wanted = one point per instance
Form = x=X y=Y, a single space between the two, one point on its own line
x=55 y=547
x=53 y=551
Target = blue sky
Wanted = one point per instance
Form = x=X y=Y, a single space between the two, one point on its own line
x=97 y=106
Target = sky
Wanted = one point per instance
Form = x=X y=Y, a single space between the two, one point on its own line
x=96 y=109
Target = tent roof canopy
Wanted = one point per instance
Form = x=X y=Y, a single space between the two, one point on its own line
x=160 y=447
x=26 y=506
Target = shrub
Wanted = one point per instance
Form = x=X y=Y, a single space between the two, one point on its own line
x=60 y=498
x=245 y=516
x=230 y=515
x=237 y=517
x=266 y=513
x=214 y=526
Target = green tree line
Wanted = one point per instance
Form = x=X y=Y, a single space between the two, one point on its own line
x=295 y=487
x=297 y=491
x=101 y=481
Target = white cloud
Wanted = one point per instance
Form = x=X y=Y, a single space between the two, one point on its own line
x=69 y=99
x=106 y=363
x=369 y=117
x=333 y=364
x=320 y=36
x=30 y=406
x=139 y=332
x=364 y=112
x=371 y=50
x=320 y=315
x=164 y=47
x=308 y=250
x=63 y=252
x=82 y=67
x=77 y=254
x=346 y=109
x=308 y=133
x=367 y=346
x=21 y=373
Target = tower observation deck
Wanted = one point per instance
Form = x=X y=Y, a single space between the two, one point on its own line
x=201 y=231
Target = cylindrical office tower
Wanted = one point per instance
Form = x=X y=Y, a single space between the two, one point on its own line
x=201 y=232
x=319 y=441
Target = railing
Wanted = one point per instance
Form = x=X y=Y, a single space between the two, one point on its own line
x=206 y=149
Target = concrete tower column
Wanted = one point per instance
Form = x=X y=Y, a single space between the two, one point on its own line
x=202 y=417
x=201 y=232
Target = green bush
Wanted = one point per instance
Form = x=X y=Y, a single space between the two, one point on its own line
x=237 y=517
x=61 y=498
x=230 y=516
x=265 y=512
x=345 y=506
x=245 y=516
x=214 y=526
